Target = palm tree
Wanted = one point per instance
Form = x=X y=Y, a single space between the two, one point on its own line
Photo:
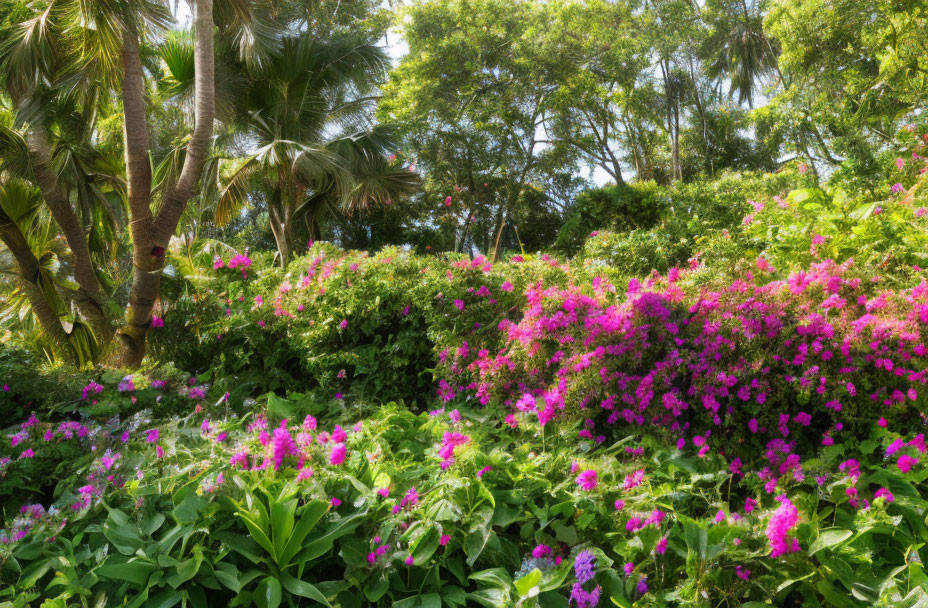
x=306 y=114
x=92 y=48
x=744 y=53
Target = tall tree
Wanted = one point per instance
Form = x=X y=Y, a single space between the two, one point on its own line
x=471 y=99
x=94 y=48
x=308 y=110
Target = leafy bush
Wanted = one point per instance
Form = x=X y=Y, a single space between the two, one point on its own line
x=641 y=228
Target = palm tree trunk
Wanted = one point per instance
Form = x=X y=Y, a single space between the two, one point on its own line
x=91 y=297
x=280 y=232
x=151 y=235
x=29 y=270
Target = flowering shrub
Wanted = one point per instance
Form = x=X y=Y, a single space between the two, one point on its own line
x=780 y=366
x=327 y=321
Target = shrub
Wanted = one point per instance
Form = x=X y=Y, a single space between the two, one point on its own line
x=741 y=367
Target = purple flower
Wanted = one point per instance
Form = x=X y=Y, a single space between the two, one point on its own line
x=584 y=565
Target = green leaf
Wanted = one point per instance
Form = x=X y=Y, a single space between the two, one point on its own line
x=150 y=526
x=323 y=544
x=187 y=511
x=136 y=572
x=280 y=407
x=268 y=594
x=495 y=577
x=829 y=538
x=431 y=600
x=424 y=546
x=121 y=533
x=308 y=518
x=303 y=589
x=258 y=534
x=529 y=582
x=282 y=523
x=187 y=569
x=376 y=588
x=228 y=575
x=241 y=544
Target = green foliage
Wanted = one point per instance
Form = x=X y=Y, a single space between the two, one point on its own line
x=646 y=227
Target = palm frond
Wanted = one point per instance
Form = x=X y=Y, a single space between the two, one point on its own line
x=250 y=30
x=177 y=54
x=234 y=196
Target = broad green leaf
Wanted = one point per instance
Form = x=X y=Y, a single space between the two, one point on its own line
x=268 y=594
x=424 y=546
x=528 y=582
x=306 y=520
x=282 y=523
x=303 y=589
x=829 y=538
x=136 y=571
x=258 y=534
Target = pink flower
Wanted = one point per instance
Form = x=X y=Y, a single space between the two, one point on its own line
x=587 y=480
x=282 y=445
x=541 y=551
x=884 y=494
x=337 y=455
x=906 y=462
x=661 y=546
x=444 y=540
x=157 y=321
x=343 y=324
x=783 y=520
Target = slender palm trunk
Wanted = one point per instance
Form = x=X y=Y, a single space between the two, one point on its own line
x=29 y=270
x=151 y=235
x=91 y=298
x=280 y=228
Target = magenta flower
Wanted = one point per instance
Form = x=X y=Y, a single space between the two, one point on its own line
x=587 y=480
x=541 y=551
x=337 y=454
x=661 y=546
x=906 y=462
x=783 y=520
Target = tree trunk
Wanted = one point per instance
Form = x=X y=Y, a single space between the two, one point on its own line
x=29 y=270
x=151 y=235
x=91 y=297
x=499 y=236
x=281 y=232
